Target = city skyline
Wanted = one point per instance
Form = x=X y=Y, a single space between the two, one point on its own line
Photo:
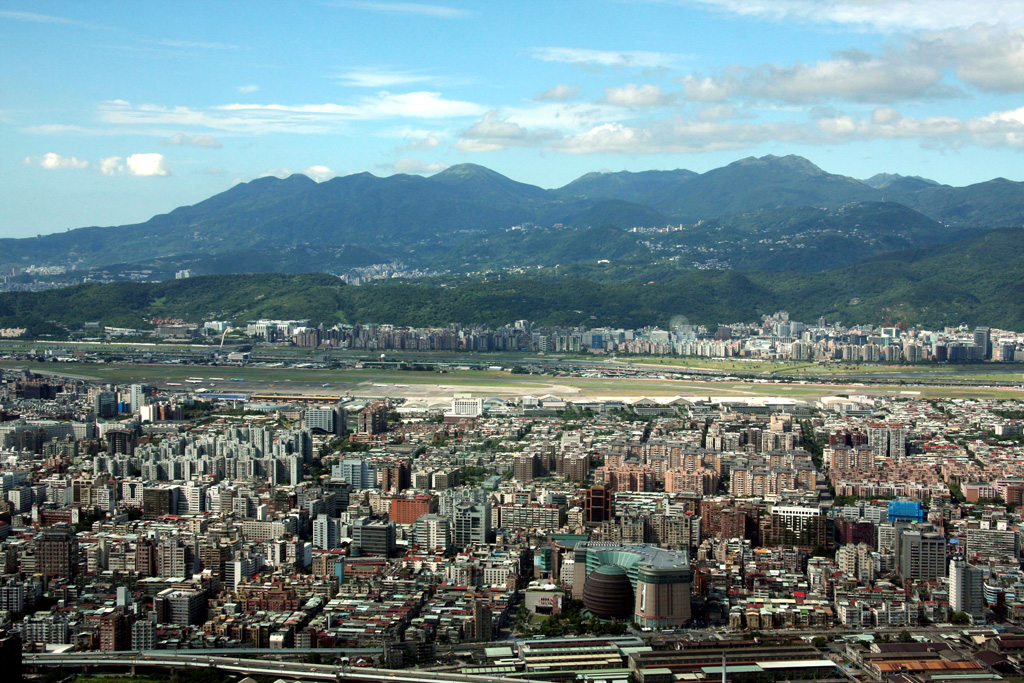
x=125 y=115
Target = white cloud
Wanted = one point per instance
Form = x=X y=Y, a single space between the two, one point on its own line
x=413 y=8
x=380 y=78
x=52 y=161
x=319 y=173
x=563 y=116
x=560 y=93
x=180 y=139
x=246 y=89
x=493 y=132
x=637 y=96
x=150 y=164
x=283 y=118
x=890 y=77
x=988 y=58
x=608 y=58
x=878 y=15
x=681 y=135
x=715 y=112
x=418 y=167
x=111 y=165
x=423 y=140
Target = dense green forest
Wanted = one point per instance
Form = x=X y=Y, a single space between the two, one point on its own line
x=979 y=280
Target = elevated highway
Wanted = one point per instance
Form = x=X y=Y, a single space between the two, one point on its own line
x=193 y=659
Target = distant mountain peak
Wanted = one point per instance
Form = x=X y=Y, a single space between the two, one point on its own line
x=467 y=171
x=790 y=162
x=883 y=180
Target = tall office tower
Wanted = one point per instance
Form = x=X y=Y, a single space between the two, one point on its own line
x=920 y=553
x=966 y=588
x=472 y=523
x=983 y=340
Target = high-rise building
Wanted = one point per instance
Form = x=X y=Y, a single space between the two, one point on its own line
x=433 y=532
x=920 y=553
x=104 y=404
x=114 y=625
x=804 y=527
x=326 y=419
x=373 y=419
x=181 y=607
x=408 y=510
x=57 y=552
x=483 y=629
x=597 y=505
x=966 y=588
x=359 y=473
x=326 y=532
x=472 y=522
x=983 y=340
x=993 y=543
x=524 y=467
x=888 y=440
x=373 y=536
x=396 y=478
x=144 y=633
x=137 y=397
x=158 y=501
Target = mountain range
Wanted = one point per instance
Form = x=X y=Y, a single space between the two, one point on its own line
x=768 y=213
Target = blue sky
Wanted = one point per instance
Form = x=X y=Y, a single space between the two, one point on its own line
x=111 y=112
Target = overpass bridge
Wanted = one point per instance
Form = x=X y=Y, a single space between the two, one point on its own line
x=195 y=659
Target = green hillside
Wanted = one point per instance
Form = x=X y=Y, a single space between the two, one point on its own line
x=976 y=281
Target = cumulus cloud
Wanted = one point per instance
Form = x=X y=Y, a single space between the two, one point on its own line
x=111 y=165
x=194 y=141
x=608 y=58
x=879 y=15
x=422 y=140
x=674 y=135
x=319 y=173
x=637 y=96
x=417 y=166
x=149 y=164
x=246 y=89
x=52 y=161
x=493 y=132
x=985 y=57
x=890 y=77
x=560 y=93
